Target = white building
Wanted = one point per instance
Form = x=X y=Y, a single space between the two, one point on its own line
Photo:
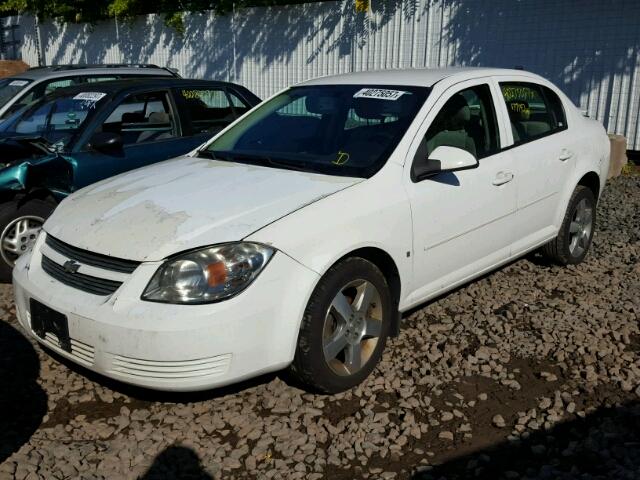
x=590 y=48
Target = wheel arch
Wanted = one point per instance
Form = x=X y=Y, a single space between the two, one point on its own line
x=591 y=180
x=37 y=194
x=387 y=265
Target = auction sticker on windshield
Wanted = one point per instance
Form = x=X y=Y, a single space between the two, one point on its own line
x=90 y=96
x=379 y=93
x=18 y=83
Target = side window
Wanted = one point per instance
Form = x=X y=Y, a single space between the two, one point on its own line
x=142 y=118
x=56 y=84
x=208 y=109
x=532 y=113
x=239 y=104
x=467 y=121
x=99 y=78
x=556 y=108
x=298 y=108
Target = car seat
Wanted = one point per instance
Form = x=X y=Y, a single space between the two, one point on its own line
x=156 y=120
x=451 y=127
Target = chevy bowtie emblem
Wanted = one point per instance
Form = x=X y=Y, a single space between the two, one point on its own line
x=70 y=266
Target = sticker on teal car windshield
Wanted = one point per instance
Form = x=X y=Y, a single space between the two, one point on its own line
x=379 y=93
x=90 y=96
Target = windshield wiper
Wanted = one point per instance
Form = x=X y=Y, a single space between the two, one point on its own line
x=207 y=154
x=289 y=164
x=257 y=160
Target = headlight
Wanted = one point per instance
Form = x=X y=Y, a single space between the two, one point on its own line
x=208 y=275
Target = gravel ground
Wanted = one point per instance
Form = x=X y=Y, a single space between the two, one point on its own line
x=530 y=372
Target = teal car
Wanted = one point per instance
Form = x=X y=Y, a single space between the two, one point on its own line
x=79 y=135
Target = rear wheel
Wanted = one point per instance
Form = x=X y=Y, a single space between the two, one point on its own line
x=19 y=227
x=576 y=232
x=344 y=328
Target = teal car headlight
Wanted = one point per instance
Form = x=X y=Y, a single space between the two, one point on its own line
x=209 y=274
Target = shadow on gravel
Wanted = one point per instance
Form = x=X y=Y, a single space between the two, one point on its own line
x=605 y=444
x=22 y=402
x=176 y=463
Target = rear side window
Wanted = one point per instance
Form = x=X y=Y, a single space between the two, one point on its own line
x=240 y=106
x=209 y=109
x=99 y=78
x=534 y=111
x=142 y=118
x=56 y=84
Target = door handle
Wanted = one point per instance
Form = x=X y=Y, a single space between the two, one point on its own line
x=565 y=155
x=502 y=178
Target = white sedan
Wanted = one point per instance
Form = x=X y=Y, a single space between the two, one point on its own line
x=297 y=236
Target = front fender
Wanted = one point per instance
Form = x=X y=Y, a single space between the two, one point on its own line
x=51 y=172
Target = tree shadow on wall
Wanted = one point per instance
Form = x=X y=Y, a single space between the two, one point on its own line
x=575 y=44
x=578 y=45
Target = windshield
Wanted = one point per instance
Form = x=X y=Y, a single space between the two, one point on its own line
x=57 y=119
x=345 y=130
x=10 y=87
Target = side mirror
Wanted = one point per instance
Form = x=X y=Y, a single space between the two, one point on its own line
x=444 y=159
x=106 y=142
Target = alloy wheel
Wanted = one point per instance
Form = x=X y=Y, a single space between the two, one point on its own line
x=580 y=228
x=18 y=236
x=352 y=327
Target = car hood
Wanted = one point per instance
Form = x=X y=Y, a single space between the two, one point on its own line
x=189 y=202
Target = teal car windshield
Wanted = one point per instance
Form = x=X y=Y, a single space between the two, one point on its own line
x=57 y=119
x=10 y=87
x=346 y=130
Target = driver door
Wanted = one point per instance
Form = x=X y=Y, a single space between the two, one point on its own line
x=463 y=221
x=150 y=130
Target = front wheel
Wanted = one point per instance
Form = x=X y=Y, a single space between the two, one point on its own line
x=576 y=232
x=344 y=328
x=19 y=227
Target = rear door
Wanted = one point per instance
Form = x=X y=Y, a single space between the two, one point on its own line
x=462 y=221
x=544 y=156
x=151 y=132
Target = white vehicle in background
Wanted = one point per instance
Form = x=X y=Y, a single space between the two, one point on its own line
x=298 y=234
x=24 y=88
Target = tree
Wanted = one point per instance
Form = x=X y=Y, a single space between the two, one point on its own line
x=92 y=11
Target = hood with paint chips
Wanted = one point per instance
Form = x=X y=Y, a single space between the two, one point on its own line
x=156 y=211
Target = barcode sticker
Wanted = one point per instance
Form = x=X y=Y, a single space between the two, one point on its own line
x=90 y=96
x=18 y=83
x=379 y=93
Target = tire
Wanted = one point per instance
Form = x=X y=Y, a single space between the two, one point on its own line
x=572 y=244
x=32 y=212
x=324 y=330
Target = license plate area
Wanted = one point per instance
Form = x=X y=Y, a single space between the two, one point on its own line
x=46 y=320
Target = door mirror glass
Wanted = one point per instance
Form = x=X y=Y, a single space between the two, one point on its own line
x=444 y=159
x=106 y=142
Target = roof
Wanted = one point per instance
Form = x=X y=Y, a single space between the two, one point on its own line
x=419 y=77
x=39 y=73
x=113 y=87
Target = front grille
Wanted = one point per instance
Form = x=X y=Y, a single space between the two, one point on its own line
x=89 y=258
x=86 y=283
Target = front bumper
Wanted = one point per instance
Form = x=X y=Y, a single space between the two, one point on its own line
x=173 y=347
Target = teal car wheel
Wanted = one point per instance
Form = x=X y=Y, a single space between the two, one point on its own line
x=20 y=226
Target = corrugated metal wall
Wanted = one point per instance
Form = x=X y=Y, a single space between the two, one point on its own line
x=590 y=48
